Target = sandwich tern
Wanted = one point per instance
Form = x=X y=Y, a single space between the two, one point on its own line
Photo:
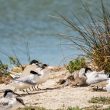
x=10 y=100
x=44 y=74
x=92 y=76
x=26 y=82
x=31 y=76
x=95 y=77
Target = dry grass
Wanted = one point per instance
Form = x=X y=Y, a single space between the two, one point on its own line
x=94 y=107
x=100 y=100
x=94 y=36
x=31 y=108
x=41 y=108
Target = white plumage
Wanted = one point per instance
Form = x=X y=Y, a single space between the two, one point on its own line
x=10 y=101
x=95 y=77
x=26 y=81
x=108 y=85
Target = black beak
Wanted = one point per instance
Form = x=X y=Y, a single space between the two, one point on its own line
x=20 y=101
x=17 y=94
x=33 y=72
x=44 y=66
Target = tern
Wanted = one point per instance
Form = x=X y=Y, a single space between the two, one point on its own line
x=10 y=100
x=26 y=81
x=32 y=75
x=108 y=84
x=44 y=75
x=95 y=77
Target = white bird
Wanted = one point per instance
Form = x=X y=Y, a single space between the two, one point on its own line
x=95 y=77
x=83 y=71
x=10 y=101
x=44 y=74
x=108 y=85
x=26 y=81
x=92 y=76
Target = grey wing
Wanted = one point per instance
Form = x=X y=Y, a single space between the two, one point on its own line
x=26 y=80
x=22 y=79
x=29 y=82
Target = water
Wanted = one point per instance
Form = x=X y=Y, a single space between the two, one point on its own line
x=32 y=22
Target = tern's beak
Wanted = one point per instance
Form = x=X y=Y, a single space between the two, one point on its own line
x=20 y=101
x=16 y=94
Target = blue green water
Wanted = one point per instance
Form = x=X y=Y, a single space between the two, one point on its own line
x=33 y=21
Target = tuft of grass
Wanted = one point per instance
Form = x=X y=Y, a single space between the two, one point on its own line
x=107 y=108
x=96 y=107
x=93 y=36
x=4 y=73
x=73 y=108
x=32 y=108
x=3 y=69
x=15 y=61
x=41 y=108
x=76 y=64
x=100 y=100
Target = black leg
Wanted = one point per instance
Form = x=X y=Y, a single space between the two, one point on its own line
x=27 y=91
x=22 y=90
x=38 y=87
x=35 y=88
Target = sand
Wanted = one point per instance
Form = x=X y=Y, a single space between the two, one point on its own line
x=61 y=97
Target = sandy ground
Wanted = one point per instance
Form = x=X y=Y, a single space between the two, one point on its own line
x=65 y=97
x=59 y=97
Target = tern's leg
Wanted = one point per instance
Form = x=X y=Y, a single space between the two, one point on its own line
x=27 y=91
x=35 y=88
x=38 y=87
x=22 y=90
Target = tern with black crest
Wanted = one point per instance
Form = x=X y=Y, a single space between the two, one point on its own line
x=10 y=100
